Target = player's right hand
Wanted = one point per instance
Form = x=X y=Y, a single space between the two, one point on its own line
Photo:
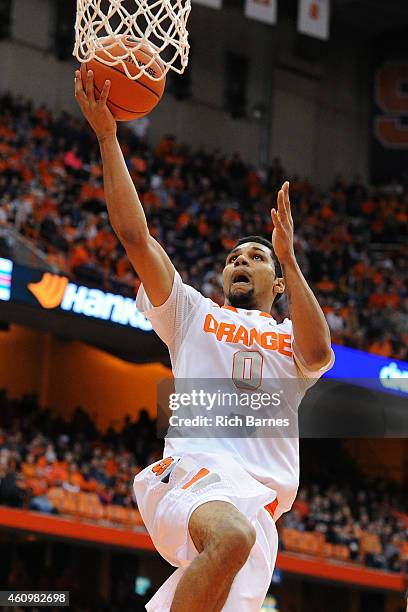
x=95 y=111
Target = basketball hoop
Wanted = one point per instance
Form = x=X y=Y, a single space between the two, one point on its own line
x=101 y=25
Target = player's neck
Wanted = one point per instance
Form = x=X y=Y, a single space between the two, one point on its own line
x=263 y=306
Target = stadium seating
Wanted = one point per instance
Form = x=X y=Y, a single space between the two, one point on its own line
x=43 y=467
x=349 y=241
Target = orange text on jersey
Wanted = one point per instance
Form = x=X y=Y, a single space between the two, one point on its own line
x=229 y=332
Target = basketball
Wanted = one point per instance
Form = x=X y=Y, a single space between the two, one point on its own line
x=128 y=99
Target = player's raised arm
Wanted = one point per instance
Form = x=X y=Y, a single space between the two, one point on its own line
x=311 y=333
x=126 y=213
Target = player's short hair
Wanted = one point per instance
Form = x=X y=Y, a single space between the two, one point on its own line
x=264 y=242
x=267 y=243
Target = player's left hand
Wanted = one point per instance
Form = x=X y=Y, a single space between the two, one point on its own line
x=282 y=235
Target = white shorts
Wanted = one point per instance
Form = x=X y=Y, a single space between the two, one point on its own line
x=167 y=493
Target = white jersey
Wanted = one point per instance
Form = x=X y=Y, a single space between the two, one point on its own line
x=207 y=341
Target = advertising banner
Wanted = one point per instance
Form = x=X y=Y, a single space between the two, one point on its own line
x=6 y=269
x=54 y=292
x=370 y=371
x=216 y=4
x=314 y=18
x=56 y=304
x=262 y=10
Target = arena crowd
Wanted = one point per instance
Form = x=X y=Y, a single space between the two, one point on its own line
x=350 y=241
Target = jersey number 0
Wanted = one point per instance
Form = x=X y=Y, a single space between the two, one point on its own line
x=247 y=369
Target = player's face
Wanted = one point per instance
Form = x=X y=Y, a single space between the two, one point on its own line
x=249 y=276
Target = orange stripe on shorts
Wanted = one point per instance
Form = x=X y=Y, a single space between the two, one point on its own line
x=200 y=474
x=272 y=507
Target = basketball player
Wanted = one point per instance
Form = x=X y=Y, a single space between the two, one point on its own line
x=211 y=504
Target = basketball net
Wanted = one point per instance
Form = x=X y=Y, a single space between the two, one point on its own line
x=160 y=24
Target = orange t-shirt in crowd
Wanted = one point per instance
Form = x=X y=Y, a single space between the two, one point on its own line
x=367 y=207
x=76 y=479
x=28 y=470
x=57 y=473
x=203 y=226
x=111 y=467
x=302 y=507
x=78 y=257
x=183 y=220
x=383 y=348
x=326 y=285
x=151 y=199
